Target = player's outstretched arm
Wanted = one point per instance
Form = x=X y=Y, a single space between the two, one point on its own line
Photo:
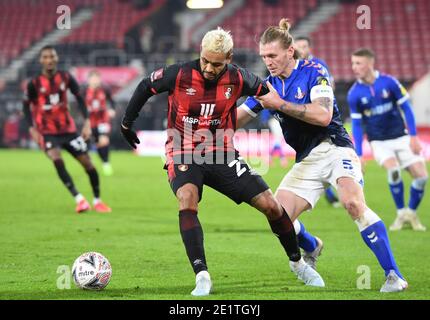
x=243 y=117
x=319 y=112
x=252 y=86
x=139 y=98
x=161 y=80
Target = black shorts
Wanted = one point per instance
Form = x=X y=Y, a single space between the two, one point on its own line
x=236 y=180
x=72 y=142
x=101 y=129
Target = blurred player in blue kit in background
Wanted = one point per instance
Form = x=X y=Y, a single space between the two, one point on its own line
x=380 y=104
x=303 y=45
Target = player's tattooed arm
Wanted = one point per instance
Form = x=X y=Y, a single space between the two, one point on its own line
x=319 y=112
x=325 y=102
x=294 y=110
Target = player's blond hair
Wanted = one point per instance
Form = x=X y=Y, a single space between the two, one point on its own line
x=280 y=33
x=219 y=41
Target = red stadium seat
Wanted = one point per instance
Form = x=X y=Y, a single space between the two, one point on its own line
x=399 y=37
x=256 y=15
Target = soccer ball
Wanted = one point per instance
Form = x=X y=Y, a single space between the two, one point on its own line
x=91 y=271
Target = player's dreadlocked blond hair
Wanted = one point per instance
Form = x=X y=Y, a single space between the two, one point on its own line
x=219 y=41
x=281 y=34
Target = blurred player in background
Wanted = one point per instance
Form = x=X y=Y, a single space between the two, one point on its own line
x=266 y=118
x=301 y=96
x=96 y=98
x=304 y=47
x=46 y=110
x=376 y=102
x=202 y=112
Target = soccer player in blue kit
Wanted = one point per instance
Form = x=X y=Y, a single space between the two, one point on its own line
x=376 y=102
x=302 y=99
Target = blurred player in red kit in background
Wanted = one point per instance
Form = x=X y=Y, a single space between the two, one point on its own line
x=96 y=97
x=53 y=128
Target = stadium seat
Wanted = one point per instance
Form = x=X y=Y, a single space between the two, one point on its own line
x=255 y=16
x=401 y=29
x=111 y=22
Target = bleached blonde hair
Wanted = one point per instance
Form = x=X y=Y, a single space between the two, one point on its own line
x=218 y=40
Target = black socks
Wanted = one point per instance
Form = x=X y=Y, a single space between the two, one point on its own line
x=192 y=236
x=283 y=228
x=65 y=177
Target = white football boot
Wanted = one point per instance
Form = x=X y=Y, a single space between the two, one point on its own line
x=312 y=257
x=394 y=283
x=415 y=221
x=306 y=273
x=203 y=284
x=401 y=220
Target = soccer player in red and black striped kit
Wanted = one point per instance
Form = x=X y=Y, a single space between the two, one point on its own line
x=52 y=127
x=201 y=123
x=97 y=98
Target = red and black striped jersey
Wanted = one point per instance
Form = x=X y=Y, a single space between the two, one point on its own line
x=48 y=100
x=96 y=101
x=198 y=109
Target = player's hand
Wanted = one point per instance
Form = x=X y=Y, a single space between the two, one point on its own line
x=415 y=145
x=130 y=136
x=35 y=135
x=271 y=100
x=86 y=130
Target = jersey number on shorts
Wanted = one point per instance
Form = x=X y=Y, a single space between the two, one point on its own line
x=239 y=169
x=79 y=144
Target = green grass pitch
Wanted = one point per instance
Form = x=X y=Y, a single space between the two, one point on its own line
x=40 y=231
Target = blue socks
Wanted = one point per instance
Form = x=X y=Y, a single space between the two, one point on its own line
x=330 y=195
x=306 y=241
x=376 y=238
x=415 y=197
x=416 y=193
x=397 y=191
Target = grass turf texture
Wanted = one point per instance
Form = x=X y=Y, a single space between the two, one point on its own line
x=40 y=232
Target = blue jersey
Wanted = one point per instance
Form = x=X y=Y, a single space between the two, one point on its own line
x=378 y=106
x=266 y=114
x=297 y=88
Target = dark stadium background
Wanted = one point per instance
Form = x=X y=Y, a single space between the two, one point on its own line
x=142 y=35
